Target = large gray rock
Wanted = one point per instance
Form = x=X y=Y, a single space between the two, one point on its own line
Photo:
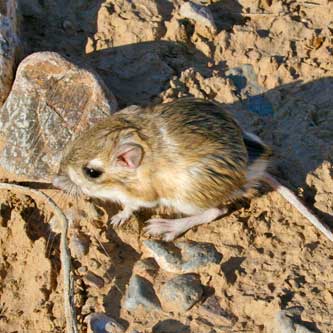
x=50 y=102
x=9 y=46
x=302 y=151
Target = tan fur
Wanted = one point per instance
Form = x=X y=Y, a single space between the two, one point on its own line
x=190 y=156
x=194 y=154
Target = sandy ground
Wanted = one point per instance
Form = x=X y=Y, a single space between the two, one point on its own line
x=271 y=63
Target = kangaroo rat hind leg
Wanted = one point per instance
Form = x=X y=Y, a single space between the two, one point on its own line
x=172 y=228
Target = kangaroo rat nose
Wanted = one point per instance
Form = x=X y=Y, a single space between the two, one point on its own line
x=189 y=155
x=57 y=182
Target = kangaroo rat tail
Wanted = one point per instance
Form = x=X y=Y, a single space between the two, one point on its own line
x=293 y=200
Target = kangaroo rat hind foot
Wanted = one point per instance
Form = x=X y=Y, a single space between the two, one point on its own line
x=172 y=228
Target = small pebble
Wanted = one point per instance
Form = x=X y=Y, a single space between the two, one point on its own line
x=82 y=270
x=141 y=292
x=171 y=326
x=181 y=292
x=72 y=215
x=94 y=264
x=101 y=323
x=146 y=266
x=93 y=280
x=67 y=25
x=198 y=13
x=89 y=305
x=1 y=216
x=198 y=255
x=79 y=245
x=166 y=259
x=212 y=307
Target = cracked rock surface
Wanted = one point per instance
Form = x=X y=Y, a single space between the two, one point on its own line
x=51 y=101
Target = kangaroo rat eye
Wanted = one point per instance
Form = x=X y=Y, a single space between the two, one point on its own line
x=92 y=173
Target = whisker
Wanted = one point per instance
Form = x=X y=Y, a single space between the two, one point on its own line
x=103 y=247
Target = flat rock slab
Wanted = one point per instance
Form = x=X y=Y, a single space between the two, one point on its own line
x=9 y=46
x=181 y=292
x=190 y=257
x=51 y=101
x=141 y=292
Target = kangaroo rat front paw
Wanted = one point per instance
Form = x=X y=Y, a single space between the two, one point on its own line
x=120 y=218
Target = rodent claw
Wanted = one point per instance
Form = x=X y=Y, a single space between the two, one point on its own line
x=118 y=219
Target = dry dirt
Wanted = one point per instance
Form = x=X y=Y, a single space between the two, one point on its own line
x=273 y=258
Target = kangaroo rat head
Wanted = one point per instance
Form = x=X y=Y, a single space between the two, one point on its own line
x=100 y=158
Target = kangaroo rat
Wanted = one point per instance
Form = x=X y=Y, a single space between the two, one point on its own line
x=190 y=155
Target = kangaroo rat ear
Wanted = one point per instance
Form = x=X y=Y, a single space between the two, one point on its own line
x=129 y=155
